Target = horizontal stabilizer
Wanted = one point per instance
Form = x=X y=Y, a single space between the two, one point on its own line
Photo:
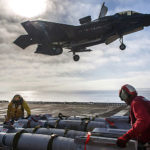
x=24 y=41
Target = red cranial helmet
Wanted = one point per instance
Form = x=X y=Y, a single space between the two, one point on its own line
x=127 y=92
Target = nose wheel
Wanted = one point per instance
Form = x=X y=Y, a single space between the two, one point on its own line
x=122 y=46
x=76 y=57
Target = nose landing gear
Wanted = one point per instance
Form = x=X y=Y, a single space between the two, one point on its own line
x=75 y=57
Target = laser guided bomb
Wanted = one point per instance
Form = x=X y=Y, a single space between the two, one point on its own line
x=45 y=132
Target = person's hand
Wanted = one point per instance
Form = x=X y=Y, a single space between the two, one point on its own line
x=122 y=141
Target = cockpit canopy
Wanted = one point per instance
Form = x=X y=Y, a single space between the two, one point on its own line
x=127 y=13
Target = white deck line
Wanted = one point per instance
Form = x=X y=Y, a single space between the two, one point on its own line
x=121 y=113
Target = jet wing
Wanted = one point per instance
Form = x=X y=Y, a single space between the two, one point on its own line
x=116 y=36
x=134 y=30
x=103 y=11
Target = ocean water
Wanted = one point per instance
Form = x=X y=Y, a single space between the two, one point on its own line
x=105 y=96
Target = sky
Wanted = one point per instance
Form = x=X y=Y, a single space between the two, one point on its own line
x=105 y=68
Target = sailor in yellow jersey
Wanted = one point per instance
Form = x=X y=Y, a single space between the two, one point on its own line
x=16 y=108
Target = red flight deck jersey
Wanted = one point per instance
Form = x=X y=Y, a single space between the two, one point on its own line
x=140 y=120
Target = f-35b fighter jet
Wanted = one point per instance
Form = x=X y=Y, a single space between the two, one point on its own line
x=52 y=37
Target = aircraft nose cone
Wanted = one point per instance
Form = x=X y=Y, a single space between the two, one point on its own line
x=146 y=20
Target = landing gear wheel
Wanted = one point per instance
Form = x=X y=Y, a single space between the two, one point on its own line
x=76 y=57
x=122 y=46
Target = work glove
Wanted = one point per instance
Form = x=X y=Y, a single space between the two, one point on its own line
x=28 y=117
x=10 y=122
x=5 y=122
x=122 y=141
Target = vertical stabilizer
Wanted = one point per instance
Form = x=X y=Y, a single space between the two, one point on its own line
x=103 y=11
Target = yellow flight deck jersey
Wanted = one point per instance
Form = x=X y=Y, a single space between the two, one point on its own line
x=16 y=111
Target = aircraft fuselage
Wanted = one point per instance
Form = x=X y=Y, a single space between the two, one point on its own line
x=55 y=36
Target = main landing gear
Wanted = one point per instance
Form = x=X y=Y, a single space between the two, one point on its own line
x=122 y=46
x=76 y=57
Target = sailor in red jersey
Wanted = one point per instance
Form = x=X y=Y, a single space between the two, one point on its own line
x=139 y=114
